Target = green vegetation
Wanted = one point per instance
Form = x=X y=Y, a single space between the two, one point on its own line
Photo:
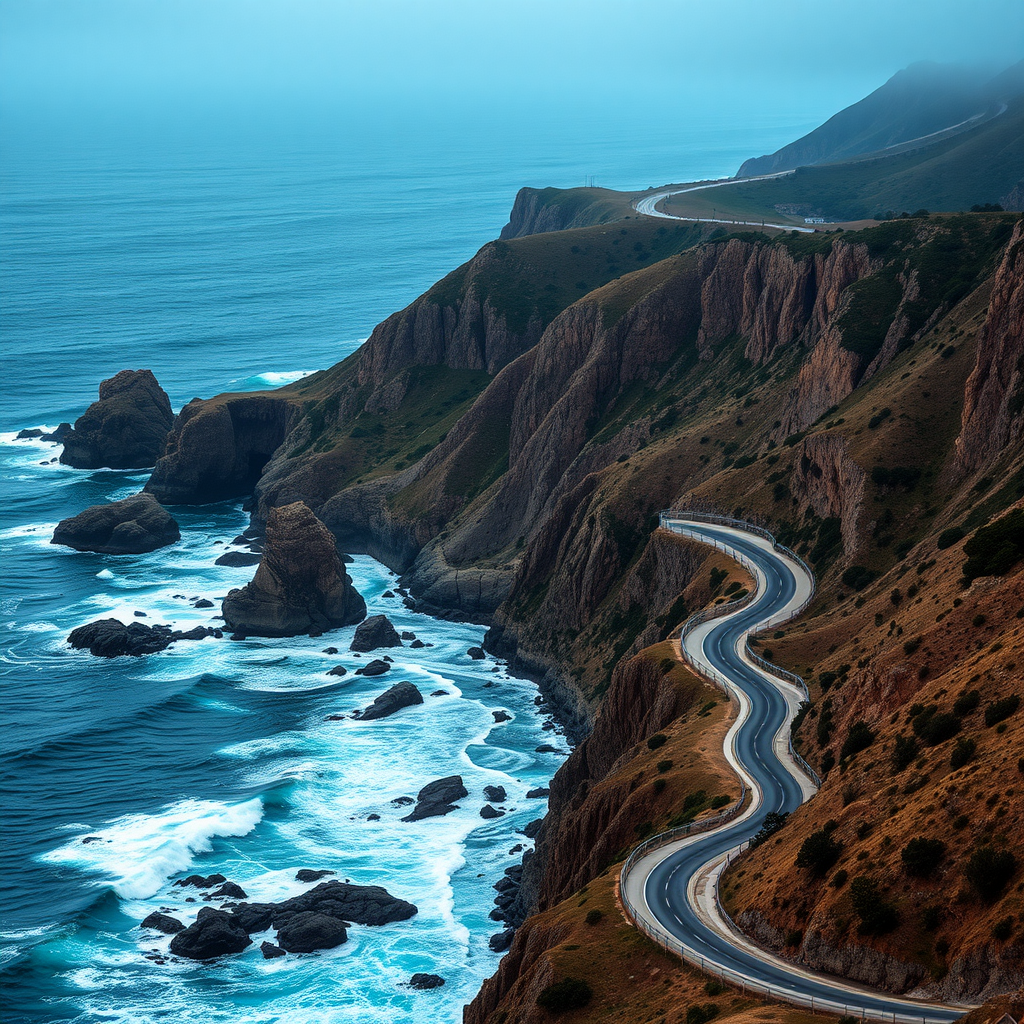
x=904 y=752
x=859 y=738
x=989 y=871
x=1001 y=709
x=567 y=994
x=933 y=726
x=996 y=548
x=922 y=856
x=773 y=821
x=877 y=915
x=820 y=850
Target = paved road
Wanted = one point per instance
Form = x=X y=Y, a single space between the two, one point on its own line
x=648 y=205
x=677 y=884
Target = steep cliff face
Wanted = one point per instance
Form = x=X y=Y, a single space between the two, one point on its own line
x=830 y=482
x=993 y=413
x=536 y=211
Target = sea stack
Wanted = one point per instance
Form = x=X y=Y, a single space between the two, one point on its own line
x=130 y=526
x=300 y=586
x=125 y=429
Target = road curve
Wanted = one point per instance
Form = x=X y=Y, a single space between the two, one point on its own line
x=670 y=884
x=648 y=205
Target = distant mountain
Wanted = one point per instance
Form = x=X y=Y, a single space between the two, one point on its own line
x=925 y=102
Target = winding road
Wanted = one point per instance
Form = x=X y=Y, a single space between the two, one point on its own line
x=670 y=883
x=648 y=205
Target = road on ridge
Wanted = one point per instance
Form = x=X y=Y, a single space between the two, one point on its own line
x=664 y=887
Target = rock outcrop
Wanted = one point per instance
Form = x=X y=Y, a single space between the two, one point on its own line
x=213 y=934
x=826 y=478
x=401 y=695
x=437 y=798
x=217 y=449
x=993 y=413
x=536 y=211
x=111 y=638
x=307 y=931
x=125 y=429
x=301 y=585
x=130 y=526
x=376 y=631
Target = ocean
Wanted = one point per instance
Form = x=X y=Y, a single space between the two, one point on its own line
x=226 y=261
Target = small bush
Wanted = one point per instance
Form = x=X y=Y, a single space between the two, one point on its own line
x=659 y=786
x=963 y=751
x=714 y=987
x=904 y=750
x=701 y=1013
x=567 y=994
x=839 y=878
x=978 y=620
x=819 y=851
x=989 y=870
x=720 y=801
x=877 y=915
x=1001 y=709
x=594 y=916
x=922 y=856
x=910 y=646
x=967 y=702
x=934 y=726
x=859 y=738
x=931 y=917
x=857 y=577
x=657 y=740
x=773 y=821
x=664 y=766
x=995 y=548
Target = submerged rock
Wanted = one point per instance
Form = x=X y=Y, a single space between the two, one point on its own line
x=307 y=931
x=338 y=670
x=163 y=923
x=125 y=429
x=111 y=638
x=501 y=716
x=426 y=981
x=436 y=798
x=215 y=933
x=417 y=644
x=376 y=631
x=301 y=585
x=401 y=695
x=131 y=526
x=540 y=791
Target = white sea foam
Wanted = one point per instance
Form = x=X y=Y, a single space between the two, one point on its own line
x=138 y=852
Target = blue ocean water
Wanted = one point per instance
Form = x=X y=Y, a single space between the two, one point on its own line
x=224 y=262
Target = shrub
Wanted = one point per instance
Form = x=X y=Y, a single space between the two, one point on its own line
x=664 y=766
x=995 y=548
x=657 y=740
x=910 y=646
x=978 y=620
x=963 y=751
x=989 y=870
x=857 y=577
x=714 y=987
x=859 y=738
x=819 y=850
x=773 y=821
x=904 y=750
x=701 y=1013
x=933 y=726
x=949 y=537
x=1001 y=709
x=659 y=786
x=839 y=878
x=720 y=801
x=967 y=702
x=567 y=994
x=594 y=916
x=877 y=915
x=931 y=917
x=825 y=680
x=922 y=856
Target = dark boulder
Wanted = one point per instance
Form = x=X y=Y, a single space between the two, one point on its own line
x=533 y=828
x=417 y=644
x=111 y=638
x=387 y=593
x=215 y=933
x=401 y=695
x=362 y=904
x=131 y=526
x=338 y=670
x=57 y=436
x=500 y=942
x=487 y=811
x=476 y=653
x=375 y=668
x=426 y=981
x=501 y=716
x=125 y=429
x=270 y=951
x=437 y=798
x=495 y=794
x=406 y=635
x=301 y=585
x=308 y=931
x=203 y=603
x=439 y=693
x=311 y=875
x=540 y=791
x=376 y=631
x=201 y=881
x=29 y=434
x=163 y=923
x=253 y=917
x=229 y=890
x=238 y=558
x=330 y=650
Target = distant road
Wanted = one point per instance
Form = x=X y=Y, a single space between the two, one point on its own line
x=649 y=203
x=670 y=883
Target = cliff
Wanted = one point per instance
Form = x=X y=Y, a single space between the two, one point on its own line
x=554 y=209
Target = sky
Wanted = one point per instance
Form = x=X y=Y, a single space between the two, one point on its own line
x=259 y=55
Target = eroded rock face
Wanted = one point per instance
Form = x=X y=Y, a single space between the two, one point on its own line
x=131 y=526
x=300 y=586
x=993 y=413
x=217 y=449
x=125 y=429
x=401 y=695
x=827 y=479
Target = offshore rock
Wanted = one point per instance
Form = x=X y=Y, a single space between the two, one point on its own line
x=301 y=585
x=309 y=931
x=375 y=668
x=376 y=631
x=437 y=798
x=163 y=923
x=131 y=526
x=125 y=429
x=111 y=638
x=214 y=934
x=426 y=981
x=401 y=695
